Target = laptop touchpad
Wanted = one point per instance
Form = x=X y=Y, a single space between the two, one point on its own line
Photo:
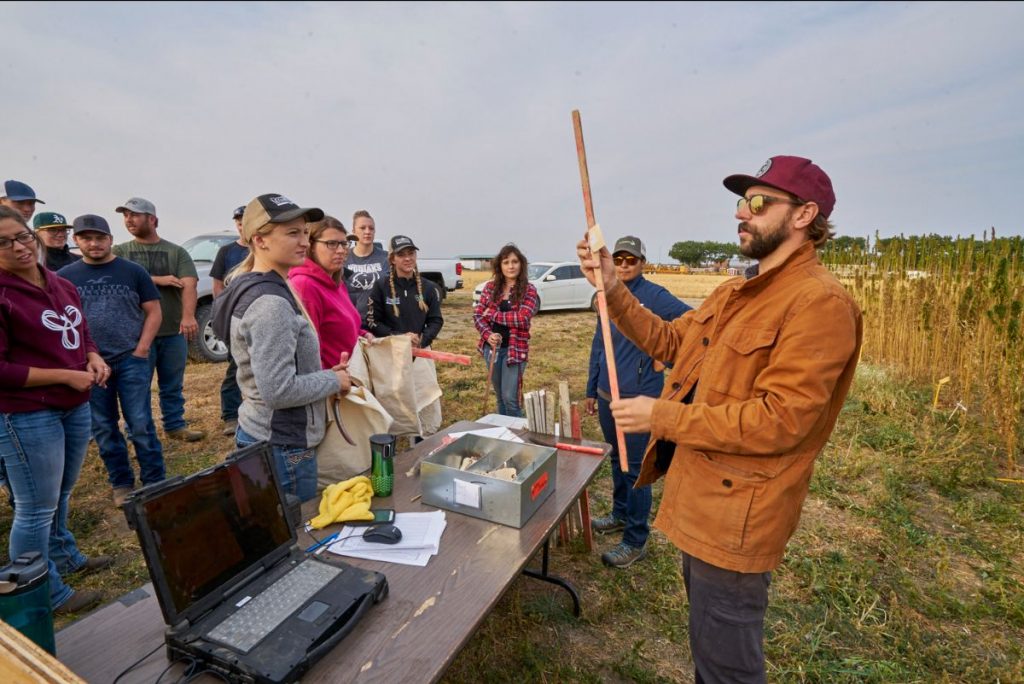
x=314 y=610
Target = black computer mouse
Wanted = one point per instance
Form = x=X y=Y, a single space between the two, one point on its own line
x=383 y=534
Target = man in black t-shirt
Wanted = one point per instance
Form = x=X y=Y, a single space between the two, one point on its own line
x=229 y=256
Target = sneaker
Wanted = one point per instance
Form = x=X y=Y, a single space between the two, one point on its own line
x=607 y=524
x=623 y=555
x=186 y=435
x=229 y=428
x=80 y=600
x=93 y=564
x=120 y=494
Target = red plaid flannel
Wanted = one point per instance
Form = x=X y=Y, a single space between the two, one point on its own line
x=518 y=321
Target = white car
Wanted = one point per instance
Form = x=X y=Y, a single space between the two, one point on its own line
x=560 y=285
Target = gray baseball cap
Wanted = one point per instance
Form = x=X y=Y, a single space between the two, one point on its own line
x=630 y=245
x=137 y=205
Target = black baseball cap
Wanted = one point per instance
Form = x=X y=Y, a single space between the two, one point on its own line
x=274 y=208
x=400 y=242
x=91 y=223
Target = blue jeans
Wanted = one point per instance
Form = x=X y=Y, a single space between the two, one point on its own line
x=167 y=357
x=506 y=379
x=43 y=452
x=129 y=382
x=230 y=395
x=296 y=466
x=630 y=505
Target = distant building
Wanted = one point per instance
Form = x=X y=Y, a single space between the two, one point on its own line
x=476 y=262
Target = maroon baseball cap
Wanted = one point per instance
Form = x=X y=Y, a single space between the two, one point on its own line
x=795 y=175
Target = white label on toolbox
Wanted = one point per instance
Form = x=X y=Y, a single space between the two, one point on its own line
x=243 y=602
x=467 y=494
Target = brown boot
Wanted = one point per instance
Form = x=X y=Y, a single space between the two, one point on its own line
x=186 y=435
x=79 y=601
x=120 y=494
x=94 y=564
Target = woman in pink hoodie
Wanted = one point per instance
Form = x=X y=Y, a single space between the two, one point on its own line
x=321 y=287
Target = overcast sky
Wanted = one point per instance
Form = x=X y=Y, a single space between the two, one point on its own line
x=452 y=124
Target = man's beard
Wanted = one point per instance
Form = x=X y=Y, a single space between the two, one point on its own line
x=763 y=242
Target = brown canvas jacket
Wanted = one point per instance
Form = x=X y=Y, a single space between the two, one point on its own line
x=774 y=357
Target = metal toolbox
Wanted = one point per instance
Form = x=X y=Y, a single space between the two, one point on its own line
x=476 y=493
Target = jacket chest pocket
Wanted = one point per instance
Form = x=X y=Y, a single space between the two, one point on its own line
x=739 y=358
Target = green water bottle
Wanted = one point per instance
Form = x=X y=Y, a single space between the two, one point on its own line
x=25 y=599
x=382 y=471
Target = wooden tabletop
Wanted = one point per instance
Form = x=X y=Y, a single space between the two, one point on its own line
x=430 y=613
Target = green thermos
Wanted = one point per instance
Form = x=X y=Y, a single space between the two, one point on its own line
x=25 y=599
x=382 y=470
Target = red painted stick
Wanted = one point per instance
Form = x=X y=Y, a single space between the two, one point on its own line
x=460 y=359
x=602 y=303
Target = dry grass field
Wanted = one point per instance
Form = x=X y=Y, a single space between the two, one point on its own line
x=907 y=566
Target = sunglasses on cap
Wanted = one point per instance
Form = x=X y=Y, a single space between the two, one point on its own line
x=627 y=259
x=757 y=204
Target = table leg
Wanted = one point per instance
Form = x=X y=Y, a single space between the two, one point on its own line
x=588 y=534
x=554 y=579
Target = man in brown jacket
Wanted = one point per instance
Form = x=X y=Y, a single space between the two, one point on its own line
x=759 y=374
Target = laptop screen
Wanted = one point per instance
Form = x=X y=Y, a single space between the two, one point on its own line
x=215 y=525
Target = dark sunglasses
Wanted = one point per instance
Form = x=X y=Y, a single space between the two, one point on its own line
x=333 y=245
x=627 y=259
x=758 y=203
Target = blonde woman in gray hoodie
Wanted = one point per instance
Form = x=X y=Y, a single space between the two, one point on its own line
x=274 y=344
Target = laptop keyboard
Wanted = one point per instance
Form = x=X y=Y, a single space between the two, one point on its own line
x=258 y=618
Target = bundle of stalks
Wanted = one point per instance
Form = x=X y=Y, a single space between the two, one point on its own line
x=937 y=307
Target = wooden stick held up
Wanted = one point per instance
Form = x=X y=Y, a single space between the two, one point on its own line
x=596 y=242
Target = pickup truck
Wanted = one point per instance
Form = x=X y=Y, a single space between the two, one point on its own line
x=445 y=273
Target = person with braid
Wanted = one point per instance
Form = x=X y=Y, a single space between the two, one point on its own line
x=404 y=303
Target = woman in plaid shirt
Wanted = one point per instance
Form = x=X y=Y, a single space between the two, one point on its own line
x=502 y=316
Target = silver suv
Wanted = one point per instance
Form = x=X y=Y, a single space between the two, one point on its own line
x=203 y=248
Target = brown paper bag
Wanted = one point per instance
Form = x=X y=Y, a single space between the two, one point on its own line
x=407 y=389
x=362 y=415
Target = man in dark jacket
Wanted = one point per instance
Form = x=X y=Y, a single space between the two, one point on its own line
x=638 y=374
x=52 y=229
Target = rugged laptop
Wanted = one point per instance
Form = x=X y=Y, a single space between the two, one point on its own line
x=238 y=595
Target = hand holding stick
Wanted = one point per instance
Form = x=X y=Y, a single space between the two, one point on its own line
x=598 y=251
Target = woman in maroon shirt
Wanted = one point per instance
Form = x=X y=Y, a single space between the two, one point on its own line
x=48 y=362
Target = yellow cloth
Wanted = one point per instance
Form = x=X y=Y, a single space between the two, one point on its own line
x=344 y=501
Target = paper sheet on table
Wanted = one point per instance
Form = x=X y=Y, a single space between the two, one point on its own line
x=502 y=421
x=421 y=538
x=494 y=432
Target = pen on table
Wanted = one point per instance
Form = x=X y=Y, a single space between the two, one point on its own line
x=324 y=541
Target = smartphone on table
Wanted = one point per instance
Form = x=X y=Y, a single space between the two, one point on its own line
x=380 y=515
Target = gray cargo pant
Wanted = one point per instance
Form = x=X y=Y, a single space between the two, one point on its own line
x=726 y=622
